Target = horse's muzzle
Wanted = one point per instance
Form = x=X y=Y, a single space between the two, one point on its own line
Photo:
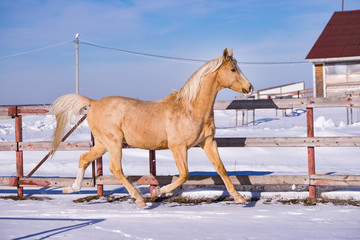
x=248 y=92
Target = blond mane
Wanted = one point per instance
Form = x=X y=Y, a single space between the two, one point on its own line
x=191 y=88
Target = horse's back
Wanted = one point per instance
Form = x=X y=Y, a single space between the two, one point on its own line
x=140 y=123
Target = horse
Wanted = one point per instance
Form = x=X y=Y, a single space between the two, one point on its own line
x=177 y=122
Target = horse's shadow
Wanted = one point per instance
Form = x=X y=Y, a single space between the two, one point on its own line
x=242 y=177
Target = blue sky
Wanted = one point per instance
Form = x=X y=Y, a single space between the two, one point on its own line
x=257 y=30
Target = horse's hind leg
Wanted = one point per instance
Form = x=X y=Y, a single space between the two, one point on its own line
x=115 y=152
x=85 y=159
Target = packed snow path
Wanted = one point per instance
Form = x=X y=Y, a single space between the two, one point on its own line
x=61 y=218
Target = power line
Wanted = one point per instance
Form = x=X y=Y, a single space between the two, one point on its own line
x=36 y=50
x=143 y=54
x=193 y=60
x=184 y=59
x=273 y=63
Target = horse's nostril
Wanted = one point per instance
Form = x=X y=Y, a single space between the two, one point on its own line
x=251 y=88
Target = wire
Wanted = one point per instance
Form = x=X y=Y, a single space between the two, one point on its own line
x=273 y=63
x=142 y=54
x=147 y=54
x=35 y=50
x=183 y=59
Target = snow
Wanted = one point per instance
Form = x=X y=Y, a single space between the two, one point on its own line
x=61 y=218
x=68 y=220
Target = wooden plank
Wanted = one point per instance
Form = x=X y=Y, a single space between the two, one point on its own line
x=35 y=109
x=216 y=180
x=289 y=142
x=8 y=146
x=329 y=180
x=107 y=180
x=53 y=182
x=27 y=109
x=335 y=180
x=319 y=80
x=317 y=179
x=222 y=142
x=288 y=103
x=46 y=146
x=4 y=181
x=4 y=111
x=249 y=180
x=139 y=180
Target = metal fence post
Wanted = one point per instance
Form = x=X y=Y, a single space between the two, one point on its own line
x=311 y=150
x=99 y=172
x=152 y=164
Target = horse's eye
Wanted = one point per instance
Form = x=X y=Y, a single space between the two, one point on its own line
x=233 y=70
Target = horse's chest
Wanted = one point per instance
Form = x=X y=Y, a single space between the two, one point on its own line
x=196 y=131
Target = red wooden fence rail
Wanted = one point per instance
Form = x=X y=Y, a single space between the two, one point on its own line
x=98 y=180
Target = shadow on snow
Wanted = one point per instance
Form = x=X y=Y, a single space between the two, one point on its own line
x=52 y=232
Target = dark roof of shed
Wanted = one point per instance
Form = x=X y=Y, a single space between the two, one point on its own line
x=340 y=37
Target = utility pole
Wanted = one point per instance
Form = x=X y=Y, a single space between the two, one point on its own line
x=77 y=62
x=342 y=9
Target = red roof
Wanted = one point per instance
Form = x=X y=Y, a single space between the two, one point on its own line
x=340 y=37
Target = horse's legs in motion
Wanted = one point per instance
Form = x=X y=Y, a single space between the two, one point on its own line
x=180 y=156
x=85 y=159
x=211 y=150
x=115 y=151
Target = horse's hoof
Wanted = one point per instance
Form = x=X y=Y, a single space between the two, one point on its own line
x=68 y=190
x=141 y=203
x=239 y=200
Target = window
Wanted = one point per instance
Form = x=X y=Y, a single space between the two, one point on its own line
x=337 y=73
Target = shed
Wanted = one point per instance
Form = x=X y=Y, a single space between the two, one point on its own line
x=336 y=56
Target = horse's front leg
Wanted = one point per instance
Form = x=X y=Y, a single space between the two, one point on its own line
x=180 y=157
x=210 y=147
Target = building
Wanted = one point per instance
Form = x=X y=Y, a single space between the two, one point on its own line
x=336 y=56
x=290 y=90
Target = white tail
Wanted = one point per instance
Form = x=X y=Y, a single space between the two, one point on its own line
x=64 y=109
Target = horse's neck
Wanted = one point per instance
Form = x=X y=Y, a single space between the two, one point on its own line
x=204 y=102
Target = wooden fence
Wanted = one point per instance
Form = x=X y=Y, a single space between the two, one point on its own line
x=311 y=142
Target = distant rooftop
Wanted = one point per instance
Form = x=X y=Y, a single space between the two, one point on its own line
x=340 y=38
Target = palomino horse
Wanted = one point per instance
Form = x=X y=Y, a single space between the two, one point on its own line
x=177 y=122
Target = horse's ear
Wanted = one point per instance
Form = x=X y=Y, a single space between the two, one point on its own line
x=231 y=53
x=225 y=53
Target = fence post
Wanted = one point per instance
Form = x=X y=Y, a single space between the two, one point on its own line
x=152 y=165
x=236 y=117
x=99 y=172
x=19 y=154
x=311 y=150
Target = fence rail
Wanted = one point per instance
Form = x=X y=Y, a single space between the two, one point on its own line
x=316 y=179
x=98 y=180
x=221 y=142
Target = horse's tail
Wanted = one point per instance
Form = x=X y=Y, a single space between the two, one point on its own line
x=64 y=109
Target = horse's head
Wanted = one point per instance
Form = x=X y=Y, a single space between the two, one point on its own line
x=230 y=75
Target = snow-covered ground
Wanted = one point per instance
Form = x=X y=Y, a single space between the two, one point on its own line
x=60 y=217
